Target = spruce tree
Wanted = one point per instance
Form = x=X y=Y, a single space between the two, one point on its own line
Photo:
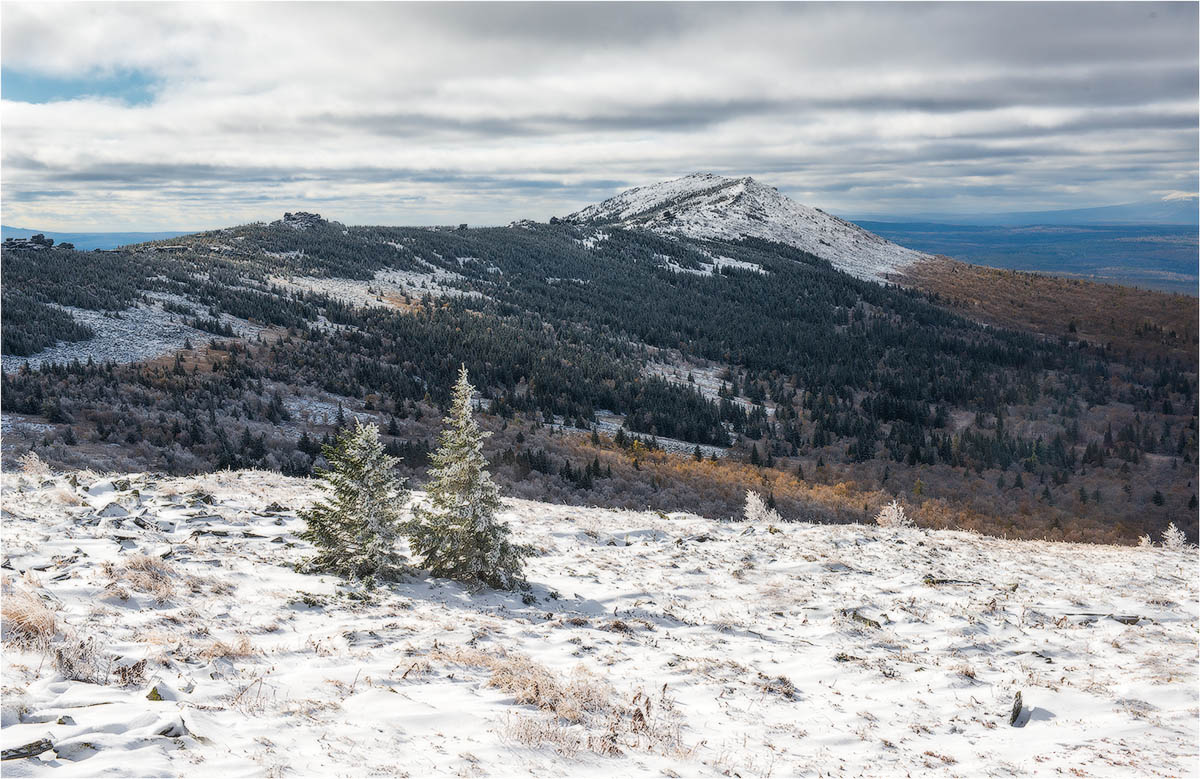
x=457 y=535
x=356 y=526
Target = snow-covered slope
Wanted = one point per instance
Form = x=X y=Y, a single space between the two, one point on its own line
x=703 y=205
x=649 y=645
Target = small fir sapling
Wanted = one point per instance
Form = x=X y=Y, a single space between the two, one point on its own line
x=456 y=533
x=356 y=526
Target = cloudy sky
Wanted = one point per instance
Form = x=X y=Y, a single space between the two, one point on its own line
x=160 y=116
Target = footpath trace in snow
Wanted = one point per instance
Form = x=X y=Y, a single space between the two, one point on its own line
x=157 y=626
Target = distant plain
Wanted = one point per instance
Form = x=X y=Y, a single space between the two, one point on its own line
x=1160 y=257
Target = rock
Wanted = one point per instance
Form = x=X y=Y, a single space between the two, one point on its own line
x=161 y=691
x=219 y=668
x=32 y=749
x=854 y=615
x=75 y=750
x=65 y=720
x=172 y=729
x=113 y=509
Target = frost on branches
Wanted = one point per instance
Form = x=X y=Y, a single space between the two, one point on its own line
x=757 y=510
x=457 y=534
x=892 y=515
x=356 y=526
x=1173 y=538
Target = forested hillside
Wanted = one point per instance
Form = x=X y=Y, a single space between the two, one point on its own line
x=759 y=364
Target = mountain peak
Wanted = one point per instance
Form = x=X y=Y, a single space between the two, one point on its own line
x=708 y=206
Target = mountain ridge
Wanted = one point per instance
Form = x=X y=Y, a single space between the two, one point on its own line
x=707 y=206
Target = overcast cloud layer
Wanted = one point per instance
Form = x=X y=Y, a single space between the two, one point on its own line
x=416 y=114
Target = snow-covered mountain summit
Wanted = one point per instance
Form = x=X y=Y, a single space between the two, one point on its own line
x=704 y=205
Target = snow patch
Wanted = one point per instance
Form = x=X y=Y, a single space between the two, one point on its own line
x=140 y=333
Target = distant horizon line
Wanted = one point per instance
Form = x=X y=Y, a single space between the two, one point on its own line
x=927 y=217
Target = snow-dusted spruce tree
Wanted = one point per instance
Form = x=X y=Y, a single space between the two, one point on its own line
x=892 y=515
x=356 y=526
x=1173 y=538
x=757 y=510
x=457 y=535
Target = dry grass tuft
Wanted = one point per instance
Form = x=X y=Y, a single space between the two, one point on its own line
x=26 y=621
x=537 y=732
x=777 y=685
x=64 y=496
x=533 y=684
x=144 y=573
x=239 y=649
x=33 y=466
x=581 y=712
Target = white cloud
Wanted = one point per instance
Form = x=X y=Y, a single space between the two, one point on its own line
x=404 y=113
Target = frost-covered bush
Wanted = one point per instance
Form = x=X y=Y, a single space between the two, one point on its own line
x=892 y=515
x=757 y=510
x=356 y=527
x=33 y=466
x=457 y=535
x=1173 y=538
x=1145 y=542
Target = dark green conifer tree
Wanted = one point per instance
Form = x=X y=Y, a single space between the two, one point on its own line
x=356 y=526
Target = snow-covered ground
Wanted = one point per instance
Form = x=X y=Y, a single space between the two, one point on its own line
x=706 y=379
x=388 y=288
x=608 y=423
x=709 y=268
x=141 y=332
x=703 y=205
x=655 y=645
x=324 y=410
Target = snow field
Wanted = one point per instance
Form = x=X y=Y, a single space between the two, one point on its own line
x=649 y=644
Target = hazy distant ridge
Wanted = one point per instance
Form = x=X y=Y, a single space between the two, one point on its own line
x=89 y=241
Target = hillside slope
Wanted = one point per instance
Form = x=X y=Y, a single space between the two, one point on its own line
x=650 y=644
x=758 y=353
x=713 y=207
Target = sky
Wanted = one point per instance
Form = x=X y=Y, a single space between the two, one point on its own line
x=158 y=116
